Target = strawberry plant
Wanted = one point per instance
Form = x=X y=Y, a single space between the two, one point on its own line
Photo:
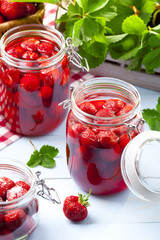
x=127 y=29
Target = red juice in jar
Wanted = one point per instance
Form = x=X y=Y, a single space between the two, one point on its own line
x=102 y=121
x=34 y=79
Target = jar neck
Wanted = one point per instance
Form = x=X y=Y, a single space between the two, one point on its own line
x=32 y=30
x=101 y=89
x=8 y=166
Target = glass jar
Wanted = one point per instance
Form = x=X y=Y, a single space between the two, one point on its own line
x=94 y=143
x=32 y=85
x=24 y=208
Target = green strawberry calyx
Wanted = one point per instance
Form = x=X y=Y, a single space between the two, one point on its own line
x=83 y=199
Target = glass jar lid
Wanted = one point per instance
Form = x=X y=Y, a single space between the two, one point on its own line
x=140 y=165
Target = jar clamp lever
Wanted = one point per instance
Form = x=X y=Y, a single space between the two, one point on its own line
x=45 y=191
x=74 y=57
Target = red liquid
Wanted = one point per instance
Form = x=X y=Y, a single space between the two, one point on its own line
x=30 y=98
x=94 y=153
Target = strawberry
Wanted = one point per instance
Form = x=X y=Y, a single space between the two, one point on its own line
x=31 y=8
x=65 y=77
x=1 y=19
x=1 y=220
x=15 y=51
x=13 y=10
x=30 y=44
x=119 y=130
x=75 y=207
x=6 y=234
x=29 y=55
x=114 y=104
x=38 y=117
x=127 y=108
x=42 y=58
x=14 y=219
x=106 y=112
x=107 y=138
x=23 y=185
x=46 y=92
x=93 y=175
x=65 y=62
x=88 y=138
x=98 y=104
x=88 y=108
x=76 y=129
x=30 y=82
x=45 y=48
x=16 y=192
x=27 y=227
x=5 y=185
x=11 y=77
x=48 y=75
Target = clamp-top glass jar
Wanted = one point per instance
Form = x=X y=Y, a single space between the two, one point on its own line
x=19 y=205
x=34 y=78
x=105 y=115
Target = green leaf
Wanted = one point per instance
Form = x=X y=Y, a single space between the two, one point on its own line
x=74 y=10
x=98 y=46
x=91 y=5
x=108 y=12
x=43 y=157
x=152 y=117
x=84 y=30
x=65 y=18
x=152 y=60
x=129 y=55
x=116 y=38
x=123 y=11
x=46 y=149
x=34 y=159
x=92 y=60
x=133 y=25
x=47 y=161
x=158 y=105
x=154 y=41
x=124 y=46
x=69 y=28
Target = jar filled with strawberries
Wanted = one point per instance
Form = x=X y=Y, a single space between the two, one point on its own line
x=19 y=204
x=105 y=115
x=34 y=79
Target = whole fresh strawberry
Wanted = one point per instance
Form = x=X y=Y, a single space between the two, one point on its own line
x=13 y=10
x=75 y=207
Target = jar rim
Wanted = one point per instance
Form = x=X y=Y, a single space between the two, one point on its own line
x=110 y=81
x=18 y=201
x=32 y=27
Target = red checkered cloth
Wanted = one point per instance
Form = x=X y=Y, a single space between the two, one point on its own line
x=6 y=136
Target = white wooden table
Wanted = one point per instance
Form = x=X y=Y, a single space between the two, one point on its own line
x=121 y=216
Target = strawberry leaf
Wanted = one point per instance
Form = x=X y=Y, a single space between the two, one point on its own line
x=34 y=159
x=152 y=60
x=47 y=161
x=44 y=157
x=84 y=30
x=152 y=117
x=133 y=25
x=46 y=149
x=91 y=5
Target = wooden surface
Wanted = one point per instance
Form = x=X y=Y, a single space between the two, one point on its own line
x=117 y=69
